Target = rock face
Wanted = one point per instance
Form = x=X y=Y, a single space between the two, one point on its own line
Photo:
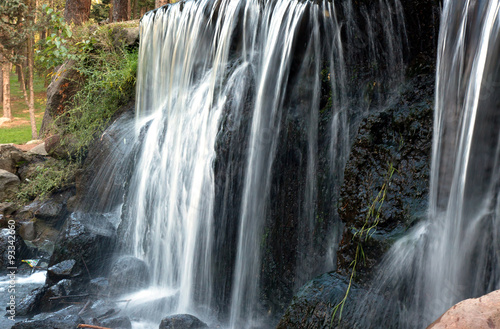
x=53 y=322
x=474 y=313
x=22 y=251
x=8 y=184
x=128 y=274
x=63 y=86
x=182 y=321
x=314 y=305
x=88 y=240
x=387 y=177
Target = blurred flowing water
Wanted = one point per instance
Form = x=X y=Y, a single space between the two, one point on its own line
x=454 y=254
x=221 y=86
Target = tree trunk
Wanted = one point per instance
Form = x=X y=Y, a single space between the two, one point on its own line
x=1 y=79
x=31 y=64
x=120 y=10
x=77 y=11
x=6 y=90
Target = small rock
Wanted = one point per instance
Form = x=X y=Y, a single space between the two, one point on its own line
x=39 y=149
x=99 y=286
x=27 y=231
x=182 y=321
x=474 y=313
x=64 y=269
x=128 y=274
x=121 y=322
x=8 y=184
x=34 y=141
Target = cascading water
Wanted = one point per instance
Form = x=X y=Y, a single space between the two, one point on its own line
x=454 y=254
x=245 y=113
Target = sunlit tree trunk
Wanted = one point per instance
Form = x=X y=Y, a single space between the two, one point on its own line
x=77 y=11
x=31 y=64
x=120 y=10
x=6 y=67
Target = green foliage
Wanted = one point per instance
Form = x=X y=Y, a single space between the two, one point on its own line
x=53 y=50
x=46 y=178
x=16 y=22
x=110 y=76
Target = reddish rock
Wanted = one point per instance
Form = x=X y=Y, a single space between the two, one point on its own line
x=474 y=313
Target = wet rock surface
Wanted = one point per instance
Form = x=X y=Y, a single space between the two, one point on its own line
x=314 y=306
x=128 y=274
x=88 y=240
x=182 y=321
x=386 y=180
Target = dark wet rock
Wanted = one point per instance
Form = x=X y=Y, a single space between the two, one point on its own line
x=128 y=274
x=88 y=239
x=386 y=178
x=21 y=249
x=64 y=269
x=51 y=322
x=8 y=185
x=51 y=299
x=120 y=322
x=31 y=303
x=314 y=305
x=99 y=286
x=182 y=321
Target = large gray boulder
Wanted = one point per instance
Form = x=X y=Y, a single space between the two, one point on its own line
x=11 y=157
x=128 y=274
x=182 y=321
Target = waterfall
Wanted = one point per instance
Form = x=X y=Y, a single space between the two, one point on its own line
x=245 y=113
x=454 y=254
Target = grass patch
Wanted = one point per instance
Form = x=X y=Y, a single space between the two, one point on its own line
x=18 y=131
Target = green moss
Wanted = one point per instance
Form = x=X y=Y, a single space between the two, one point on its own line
x=46 y=178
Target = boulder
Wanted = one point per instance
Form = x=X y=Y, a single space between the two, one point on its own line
x=11 y=157
x=61 y=147
x=128 y=274
x=474 y=313
x=31 y=303
x=121 y=322
x=64 y=85
x=9 y=184
x=51 y=322
x=88 y=239
x=64 y=269
x=128 y=36
x=182 y=321
x=99 y=286
x=49 y=301
x=39 y=150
